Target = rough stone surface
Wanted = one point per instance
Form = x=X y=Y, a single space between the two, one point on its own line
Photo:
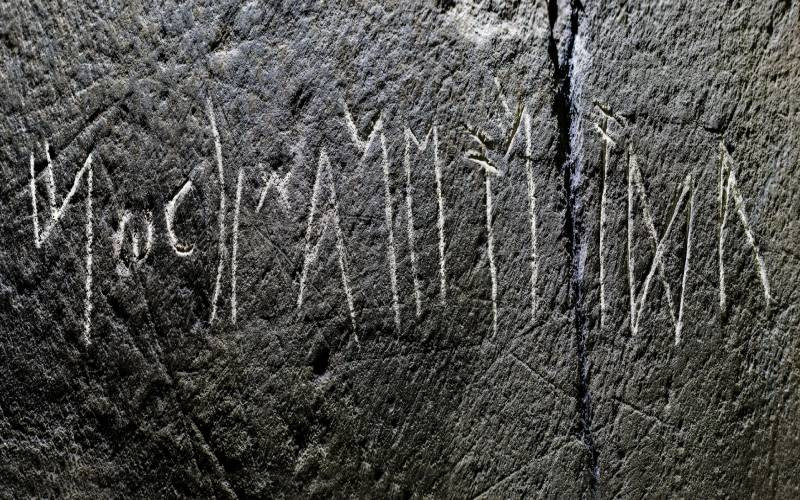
x=608 y=171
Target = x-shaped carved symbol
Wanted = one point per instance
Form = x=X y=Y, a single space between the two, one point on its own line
x=637 y=302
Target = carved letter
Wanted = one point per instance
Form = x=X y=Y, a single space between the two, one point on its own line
x=637 y=304
x=235 y=253
x=522 y=122
x=169 y=214
x=221 y=214
x=324 y=180
x=728 y=187
x=480 y=159
x=608 y=143
x=57 y=213
x=421 y=147
x=364 y=146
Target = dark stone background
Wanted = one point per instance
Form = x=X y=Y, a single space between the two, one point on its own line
x=292 y=401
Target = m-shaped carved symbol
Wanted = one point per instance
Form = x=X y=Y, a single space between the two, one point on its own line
x=364 y=147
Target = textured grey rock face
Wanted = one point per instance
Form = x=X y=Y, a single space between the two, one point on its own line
x=399 y=249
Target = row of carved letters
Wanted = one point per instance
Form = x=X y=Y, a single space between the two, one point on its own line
x=324 y=216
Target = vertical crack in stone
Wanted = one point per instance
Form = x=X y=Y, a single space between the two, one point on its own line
x=567 y=158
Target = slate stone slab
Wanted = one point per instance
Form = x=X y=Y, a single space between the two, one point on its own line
x=399 y=249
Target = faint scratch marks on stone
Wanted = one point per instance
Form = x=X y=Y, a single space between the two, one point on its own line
x=280 y=184
x=118 y=238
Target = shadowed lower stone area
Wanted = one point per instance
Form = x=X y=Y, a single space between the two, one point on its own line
x=399 y=249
